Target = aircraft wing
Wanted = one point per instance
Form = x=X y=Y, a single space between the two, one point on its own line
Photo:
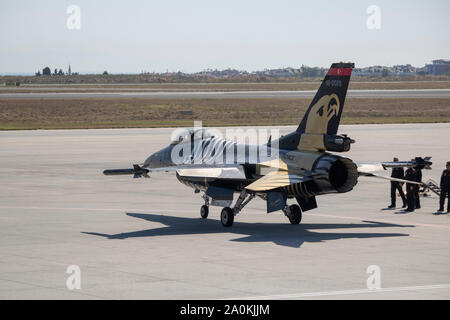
x=276 y=179
x=234 y=171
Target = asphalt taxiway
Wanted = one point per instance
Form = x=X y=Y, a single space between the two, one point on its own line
x=135 y=94
x=144 y=239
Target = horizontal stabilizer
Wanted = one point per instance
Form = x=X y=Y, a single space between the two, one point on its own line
x=366 y=168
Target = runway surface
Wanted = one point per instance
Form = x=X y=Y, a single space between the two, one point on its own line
x=143 y=238
x=118 y=93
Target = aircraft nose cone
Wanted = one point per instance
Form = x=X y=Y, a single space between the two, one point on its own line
x=153 y=161
x=159 y=159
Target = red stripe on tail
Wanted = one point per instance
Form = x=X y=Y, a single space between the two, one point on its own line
x=340 y=72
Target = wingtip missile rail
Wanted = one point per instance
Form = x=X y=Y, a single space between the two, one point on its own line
x=137 y=171
x=418 y=162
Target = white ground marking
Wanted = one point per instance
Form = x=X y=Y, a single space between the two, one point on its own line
x=343 y=292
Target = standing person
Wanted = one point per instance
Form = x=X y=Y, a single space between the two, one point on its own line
x=445 y=189
x=410 y=175
x=418 y=178
x=398 y=173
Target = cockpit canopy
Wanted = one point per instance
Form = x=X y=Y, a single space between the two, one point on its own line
x=189 y=134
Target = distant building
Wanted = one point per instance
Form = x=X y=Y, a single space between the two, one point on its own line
x=403 y=70
x=228 y=73
x=439 y=67
x=69 y=72
x=281 y=72
x=370 y=71
x=422 y=71
x=397 y=70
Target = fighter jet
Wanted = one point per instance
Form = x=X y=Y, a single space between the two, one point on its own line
x=297 y=167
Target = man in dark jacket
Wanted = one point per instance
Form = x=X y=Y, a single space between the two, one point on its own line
x=410 y=175
x=445 y=189
x=418 y=178
x=396 y=186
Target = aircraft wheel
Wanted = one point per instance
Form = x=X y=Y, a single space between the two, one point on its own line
x=204 y=211
x=227 y=217
x=296 y=214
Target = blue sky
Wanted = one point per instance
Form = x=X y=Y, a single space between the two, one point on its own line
x=131 y=36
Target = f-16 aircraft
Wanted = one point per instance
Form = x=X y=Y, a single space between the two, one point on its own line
x=299 y=166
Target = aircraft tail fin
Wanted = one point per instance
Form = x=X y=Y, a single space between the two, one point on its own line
x=320 y=123
x=324 y=113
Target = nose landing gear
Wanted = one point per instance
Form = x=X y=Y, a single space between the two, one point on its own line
x=204 y=210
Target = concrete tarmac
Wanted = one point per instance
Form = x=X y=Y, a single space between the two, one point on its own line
x=121 y=93
x=144 y=239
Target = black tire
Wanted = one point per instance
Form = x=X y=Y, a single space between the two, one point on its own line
x=296 y=214
x=227 y=217
x=204 y=211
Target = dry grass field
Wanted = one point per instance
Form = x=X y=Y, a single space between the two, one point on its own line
x=123 y=113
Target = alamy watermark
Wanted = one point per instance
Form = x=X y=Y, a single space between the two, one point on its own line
x=374 y=20
x=74 y=279
x=374 y=280
x=214 y=147
x=74 y=18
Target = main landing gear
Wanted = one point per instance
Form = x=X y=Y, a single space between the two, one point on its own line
x=294 y=214
x=227 y=217
x=227 y=214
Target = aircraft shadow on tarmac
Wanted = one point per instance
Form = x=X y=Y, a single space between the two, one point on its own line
x=280 y=234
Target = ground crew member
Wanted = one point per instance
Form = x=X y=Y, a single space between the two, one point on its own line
x=418 y=178
x=397 y=173
x=410 y=175
x=445 y=189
